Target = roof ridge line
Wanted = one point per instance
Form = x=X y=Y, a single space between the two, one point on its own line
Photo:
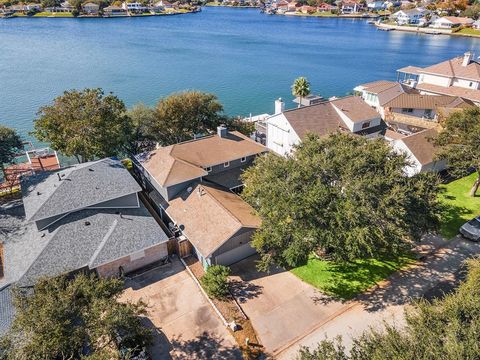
x=228 y=211
x=103 y=242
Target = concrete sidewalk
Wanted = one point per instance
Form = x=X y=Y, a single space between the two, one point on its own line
x=387 y=302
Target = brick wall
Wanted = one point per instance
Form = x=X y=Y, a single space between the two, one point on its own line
x=151 y=255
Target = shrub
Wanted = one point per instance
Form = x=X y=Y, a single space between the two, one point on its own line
x=215 y=281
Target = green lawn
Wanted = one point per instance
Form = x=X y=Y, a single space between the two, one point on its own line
x=49 y=14
x=468 y=31
x=345 y=280
x=460 y=207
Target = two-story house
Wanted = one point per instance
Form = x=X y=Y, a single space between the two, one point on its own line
x=286 y=128
x=193 y=186
x=86 y=217
x=411 y=16
x=459 y=76
x=405 y=106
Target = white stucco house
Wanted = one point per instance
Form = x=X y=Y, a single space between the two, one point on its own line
x=449 y=22
x=420 y=152
x=350 y=114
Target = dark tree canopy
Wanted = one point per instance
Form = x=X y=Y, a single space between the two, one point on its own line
x=447 y=328
x=342 y=195
x=69 y=319
x=10 y=145
x=85 y=124
x=182 y=116
x=460 y=142
x=143 y=118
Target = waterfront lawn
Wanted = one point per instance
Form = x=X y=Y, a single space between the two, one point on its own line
x=346 y=280
x=468 y=31
x=459 y=206
x=49 y=14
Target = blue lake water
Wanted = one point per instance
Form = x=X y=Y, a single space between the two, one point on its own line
x=247 y=58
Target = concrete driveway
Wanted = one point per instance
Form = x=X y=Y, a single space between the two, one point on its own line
x=282 y=308
x=185 y=325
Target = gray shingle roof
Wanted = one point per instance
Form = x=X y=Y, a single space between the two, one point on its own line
x=7 y=310
x=83 y=185
x=92 y=237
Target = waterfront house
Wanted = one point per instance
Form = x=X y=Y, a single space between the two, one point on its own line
x=324 y=7
x=90 y=8
x=194 y=185
x=351 y=114
x=164 y=4
x=412 y=16
x=449 y=22
x=420 y=151
x=375 y=5
x=134 y=7
x=407 y=109
x=114 y=11
x=88 y=217
x=32 y=7
x=459 y=77
x=67 y=6
x=351 y=7
x=306 y=9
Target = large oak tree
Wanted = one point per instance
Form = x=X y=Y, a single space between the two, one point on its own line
x=343 y=196
x=75 y=318
x=460 y=143
x=85 y=124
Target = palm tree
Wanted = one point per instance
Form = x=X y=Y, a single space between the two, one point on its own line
x=300 y=89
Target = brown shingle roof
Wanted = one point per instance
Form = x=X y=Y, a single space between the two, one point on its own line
x=379 y=86
x=411 y=70
x=417 y=101
x=355 y=108
x=323 y=119
x=209 y=215
x=469 y=94
x=421 y=146
x=186 y=161
x=454 y=68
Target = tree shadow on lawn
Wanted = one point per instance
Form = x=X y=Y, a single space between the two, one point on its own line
x=453 y=217
x=350 y=279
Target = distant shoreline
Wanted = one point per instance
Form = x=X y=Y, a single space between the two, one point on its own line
x=466 y=32
x=60 y=15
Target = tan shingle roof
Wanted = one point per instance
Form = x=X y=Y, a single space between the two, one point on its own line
x=411 y=70
x=458 y=20
x=378 y=86
x=186 y=161
x=420 y=145
x=417 y=101
x=469 y=94
x=355 y=108
x=454 y=68
x=323 y=119
x=209 y=215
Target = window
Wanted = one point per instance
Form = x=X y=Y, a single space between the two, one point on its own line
x=471 y=84
x=243 y=159
x=366 y=125
x=208 y=168
x=405 y=110
x=226 y=164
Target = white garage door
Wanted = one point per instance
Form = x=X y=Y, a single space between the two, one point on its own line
x=235 y=255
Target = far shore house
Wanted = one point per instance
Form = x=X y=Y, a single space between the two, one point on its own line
x=458 y=77
x=325 y=7
x=90 y=8
x=194 y=184
x=419 y=149
x=351 y=7
x=87 y=217
x=351 y=114
x=134 y=7
x=113 y=11
x=411 y=16
x=449 y=22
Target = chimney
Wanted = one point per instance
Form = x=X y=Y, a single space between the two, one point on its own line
x=222 y=131
x=279 y=106
x=467 y=57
